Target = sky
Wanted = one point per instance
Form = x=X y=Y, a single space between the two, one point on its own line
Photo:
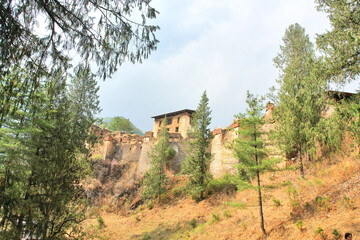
x=224 y=47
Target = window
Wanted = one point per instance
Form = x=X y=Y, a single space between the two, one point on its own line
x=177 y=129
x=168 y=129
x=178 y=120
x=169 y=121
x=159 y=123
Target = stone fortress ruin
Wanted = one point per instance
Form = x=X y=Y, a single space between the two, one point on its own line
x=130 y=149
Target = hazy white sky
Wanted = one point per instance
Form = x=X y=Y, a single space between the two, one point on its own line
x=224 y=47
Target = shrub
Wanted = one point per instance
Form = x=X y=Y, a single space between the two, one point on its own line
x=323 y=203
x=336 y=234
x=347 y=202
x=193 y=223
x=319 y=230
x=220 y=185
x=277 y=202
x=227 y=214
x=149 y=205
x=215 y=217
x=300 y=225
x=100 y=221
x=178 y=191
x=293 y=197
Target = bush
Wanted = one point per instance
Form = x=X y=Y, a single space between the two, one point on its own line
x=100 y=221
x=227 y=214
x=215 y=217
x=336 y=234
x=300 y=225
x=319 y=230
x=178 y=191
x=277 y=202
x=220 y=185
x=193 y=223
x=323 y=203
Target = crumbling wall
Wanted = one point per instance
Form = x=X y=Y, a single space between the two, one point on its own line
x=223 y=160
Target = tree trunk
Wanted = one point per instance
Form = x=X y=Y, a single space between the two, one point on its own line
x=301 y=161
x=260 y=205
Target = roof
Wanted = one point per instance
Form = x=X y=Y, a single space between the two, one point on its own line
x=174 y=113
x=339 y=95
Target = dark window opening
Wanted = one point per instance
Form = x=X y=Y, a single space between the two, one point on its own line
x=169 y=121
x=168 y=129
x=159 y=123
x=178 y=120
x=177 y=129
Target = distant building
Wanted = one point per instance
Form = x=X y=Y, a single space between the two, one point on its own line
x=177 y=123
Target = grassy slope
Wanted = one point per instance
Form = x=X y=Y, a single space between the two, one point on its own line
x=337 y=179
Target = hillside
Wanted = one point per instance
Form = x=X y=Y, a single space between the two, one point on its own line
x=319 y=206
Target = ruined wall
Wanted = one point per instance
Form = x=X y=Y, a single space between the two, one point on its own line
x=223 y=160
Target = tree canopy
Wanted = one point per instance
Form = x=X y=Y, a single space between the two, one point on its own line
x=123 y=124
x=341 y=45
x=40 y=35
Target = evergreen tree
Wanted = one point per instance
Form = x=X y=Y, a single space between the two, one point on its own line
x=341 y=43
x=155 y=179
x=197 y=162
x=42 y=162
x=301 y=97
x=250 y=150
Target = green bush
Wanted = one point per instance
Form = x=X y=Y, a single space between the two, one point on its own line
x=100 y=221
x=215 y=217
x=277 y=202
x=220 y=185
x=323 y=203
x=300 y=225
x=227 y=214
x=178 y=191
x=319 y=230
x=193 y=223
x=336 y=234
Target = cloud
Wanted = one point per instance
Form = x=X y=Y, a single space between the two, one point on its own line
x=224 y=47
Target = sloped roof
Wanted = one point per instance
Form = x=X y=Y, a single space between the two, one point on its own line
x=189 y=111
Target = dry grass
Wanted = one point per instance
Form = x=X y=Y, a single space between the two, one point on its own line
x=327 y=198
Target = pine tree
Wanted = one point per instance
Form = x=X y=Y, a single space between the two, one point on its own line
x=197 y=163
x=341 y=43
x=155 y=179
x=301 y=97
x=42 y=163
x=250 y=150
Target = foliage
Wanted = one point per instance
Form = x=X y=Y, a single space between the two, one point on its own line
x=123 y=124
x=250 y=150
x=155 y=179
x=100 y=221
x=299 y=224
x=215 y=217
x=277 y=202
x=235 y=205
x=44 y=155
x=300 y=100
x=336 y=234
x=225 y=183
x=319 y=230
x=323 y=203
x=341 y=44
x=197 y=162
x=41 y=37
